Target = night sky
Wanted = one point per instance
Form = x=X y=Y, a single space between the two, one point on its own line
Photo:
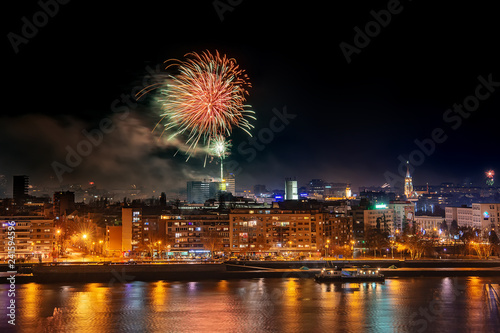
x=352 y=120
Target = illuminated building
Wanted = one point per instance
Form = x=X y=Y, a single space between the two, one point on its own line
x=377 y=197
x=189 y=233
x=404 y=213
x=140 y=228
x=429 y=224
x=410 y=194
x=113 y=241
x=486 y=216
x=348 y=192
x=339 y=230
x=34 y=236
x=317 y=187
x=230 y=181
x=291 y=192
x=131 y=228
x=381 y=216
x=259 y=230
x=200 y=191
x=215 y=189
x=462 y=215
x=358 y=216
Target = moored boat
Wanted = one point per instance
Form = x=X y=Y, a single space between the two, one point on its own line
x=349 y=275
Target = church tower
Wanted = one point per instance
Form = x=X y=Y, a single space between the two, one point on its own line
x=408 y=183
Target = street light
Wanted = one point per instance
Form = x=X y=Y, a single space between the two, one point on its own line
x=58 y=241
x=84 y=236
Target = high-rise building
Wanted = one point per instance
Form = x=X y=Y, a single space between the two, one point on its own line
x=291 y=192
x=63 y=201
x=20 y=189
x=198 y=191
x=230 y=181
x=131 y=228
x=317 y=186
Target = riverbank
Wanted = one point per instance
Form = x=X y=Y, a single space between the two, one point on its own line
x=122 y=273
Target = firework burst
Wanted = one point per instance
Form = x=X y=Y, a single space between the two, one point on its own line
x=490 y=174
x=220 y=147
x=205 y=101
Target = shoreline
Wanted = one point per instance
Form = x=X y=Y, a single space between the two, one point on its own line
x=124 y=273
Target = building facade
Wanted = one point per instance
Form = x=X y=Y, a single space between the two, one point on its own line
x=486 y=216
x=275 y=230
x=34 y=236
x=198 y=191
x=429 y=224
x=382 y=218
x=463 y=216
x=197 y=232
x=404 y=213
x=291 y=191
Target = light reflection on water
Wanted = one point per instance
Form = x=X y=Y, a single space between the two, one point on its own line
x=259 y=305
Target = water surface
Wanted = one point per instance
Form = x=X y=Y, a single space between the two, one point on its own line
x=259 y=305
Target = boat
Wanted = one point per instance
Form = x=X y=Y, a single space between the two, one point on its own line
x=337 y=274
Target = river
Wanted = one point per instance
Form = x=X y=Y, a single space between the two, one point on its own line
x=432 y=304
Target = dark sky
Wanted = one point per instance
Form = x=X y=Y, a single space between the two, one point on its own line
x=352 y=120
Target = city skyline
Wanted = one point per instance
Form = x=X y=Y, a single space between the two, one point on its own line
x=257 y=166
x=354 y=112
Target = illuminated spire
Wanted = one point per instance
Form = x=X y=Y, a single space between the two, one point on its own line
x=408 y=182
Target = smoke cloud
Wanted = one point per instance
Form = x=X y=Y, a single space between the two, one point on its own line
x=128 y=154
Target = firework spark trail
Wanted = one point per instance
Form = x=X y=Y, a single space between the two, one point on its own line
x=205 y=100
x=220 y=148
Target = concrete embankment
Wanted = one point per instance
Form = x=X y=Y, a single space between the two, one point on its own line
x=117 y=273
x=126 y=273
